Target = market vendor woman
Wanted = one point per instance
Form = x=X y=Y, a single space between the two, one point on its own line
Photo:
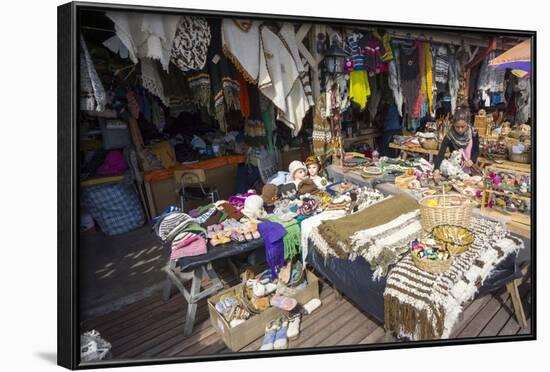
x=463 y=136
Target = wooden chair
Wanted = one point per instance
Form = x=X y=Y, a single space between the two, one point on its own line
x=191 y=186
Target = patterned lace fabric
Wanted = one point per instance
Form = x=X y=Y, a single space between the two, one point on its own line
x=190 y=47
x=151 y=79
x=92 y=93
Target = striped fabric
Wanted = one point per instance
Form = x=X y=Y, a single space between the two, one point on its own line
x=173 y=223
x=206 y=215
x=421 y=305
x=442 y=65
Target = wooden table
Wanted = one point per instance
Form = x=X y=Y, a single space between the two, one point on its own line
x=418 y=150
x=481 y=160
x=507 y=164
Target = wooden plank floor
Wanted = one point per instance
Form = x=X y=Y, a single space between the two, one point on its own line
x=154 y=328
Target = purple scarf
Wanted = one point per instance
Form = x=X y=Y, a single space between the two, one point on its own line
x=272 y=234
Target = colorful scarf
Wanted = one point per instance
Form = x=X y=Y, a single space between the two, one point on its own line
x=359 y=87
x=460 y=141
x=273 y=233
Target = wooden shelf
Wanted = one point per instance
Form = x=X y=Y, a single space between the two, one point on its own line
x=509 y=195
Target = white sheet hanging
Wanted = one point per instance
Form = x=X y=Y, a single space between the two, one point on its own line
x=146 y=35
x=279 y=81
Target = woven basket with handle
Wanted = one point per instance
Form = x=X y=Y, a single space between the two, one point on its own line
x=432 y=266
x=447 y=210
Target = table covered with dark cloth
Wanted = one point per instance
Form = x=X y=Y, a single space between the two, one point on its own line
x=354 y=278
x=218 y=252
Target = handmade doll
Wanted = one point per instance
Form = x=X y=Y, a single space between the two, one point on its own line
x=314 y=167
x=297 y=172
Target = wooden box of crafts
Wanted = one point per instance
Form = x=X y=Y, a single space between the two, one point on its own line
x=245 y=333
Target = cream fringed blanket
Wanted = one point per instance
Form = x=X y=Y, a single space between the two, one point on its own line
x=423 y=306
x=379 y=233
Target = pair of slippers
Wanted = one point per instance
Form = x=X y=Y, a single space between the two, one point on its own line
x=279 y=331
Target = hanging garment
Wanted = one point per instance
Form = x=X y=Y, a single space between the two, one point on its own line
x=151 y=79
x=523 y=101
x=394 y=81
x=359 y=90
x=306 y=82
x=322 y=132
x=373 y=55
x=92 y=93
x=409 y=71
x=268 y=118
x=216 y=86
x=387 y=52
x=115 y=45
x=442 y=65
x=375 y=96
x=357 y=57
x=428 y=78
x=279 y=81
x=288 y=37
x=244 y=99
x=453 y=78
x=147 y=35
x=191 y=42
x=241 y=44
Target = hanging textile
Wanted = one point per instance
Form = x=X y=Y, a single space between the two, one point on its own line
x=288 y=37
x=386 y=51
x=322 y=132
x=151 y=79
x=241 y=44
x=359 y=87
x=255 y=131
x=191 y=42
x=115 y=45
x=147 y=35
x=92 y=93
x=409 y=73
x=216 y=86
x=177 y=91
x=268 y=118
x=244 y=100
x=453 y=78
x=523 y=101
x=442 y=65
x=278 y=80
x=394 y=81
x=428 y=77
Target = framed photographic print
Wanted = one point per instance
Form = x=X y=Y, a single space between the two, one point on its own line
x=254 y=185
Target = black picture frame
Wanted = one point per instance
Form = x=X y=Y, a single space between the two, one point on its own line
x=68 y=190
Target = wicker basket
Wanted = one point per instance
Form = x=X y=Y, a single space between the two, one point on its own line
x=432 y=266
x=453 y=248
x=524 y=158
x=403 y=181
x=449 y=210
x=430 y=144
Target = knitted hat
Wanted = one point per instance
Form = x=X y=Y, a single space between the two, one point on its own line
x=307 y=186
x=231 y=211
x=293 y=167
x=253 y=205
x=270 y=194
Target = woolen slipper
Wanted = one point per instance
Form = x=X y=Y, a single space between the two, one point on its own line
x=283 y=302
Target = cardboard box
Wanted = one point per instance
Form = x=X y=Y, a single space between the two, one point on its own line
x=238 y=337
